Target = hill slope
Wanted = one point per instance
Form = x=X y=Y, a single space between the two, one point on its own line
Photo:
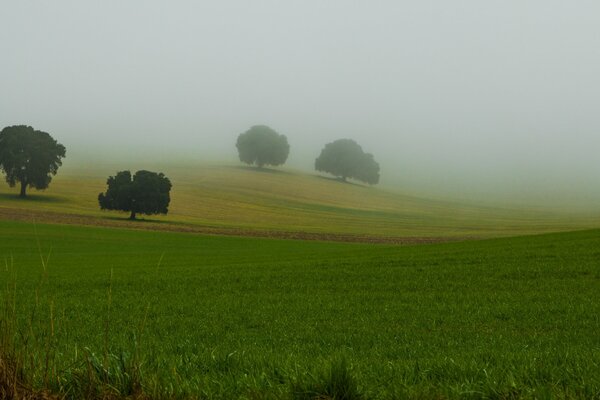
x=238 y=200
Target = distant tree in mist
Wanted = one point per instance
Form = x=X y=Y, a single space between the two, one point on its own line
x=345 y=159
x=144 y=193
x=29 y=157
x=261 y=145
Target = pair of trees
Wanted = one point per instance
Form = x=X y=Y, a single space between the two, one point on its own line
x=31 y=157
x=344 y=158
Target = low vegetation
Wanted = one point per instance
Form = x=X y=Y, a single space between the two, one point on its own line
x=95 y=312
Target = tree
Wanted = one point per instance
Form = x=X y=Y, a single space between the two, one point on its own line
x=346 y=159
x=262 y=146
x=29 y=156
x=146 y=193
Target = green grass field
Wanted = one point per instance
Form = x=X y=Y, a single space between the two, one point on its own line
x=239 y=200
x=232 y=317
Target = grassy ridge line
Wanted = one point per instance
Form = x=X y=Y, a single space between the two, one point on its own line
x=231 y=198
x=233 y=317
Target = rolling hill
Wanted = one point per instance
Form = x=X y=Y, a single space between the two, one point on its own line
x=283 y=203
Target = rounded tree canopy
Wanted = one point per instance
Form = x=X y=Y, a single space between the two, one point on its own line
x=261 y=145
x=345 y=158
x=144 y=193
x=29 y=156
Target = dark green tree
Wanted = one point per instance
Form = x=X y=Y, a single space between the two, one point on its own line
x=146 y=193
x=29 y=157
x=345 y=159
x=262 y=146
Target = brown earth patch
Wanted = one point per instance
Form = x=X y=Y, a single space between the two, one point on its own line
x=16 y=214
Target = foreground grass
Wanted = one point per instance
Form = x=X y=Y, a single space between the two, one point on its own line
x=221 y=197
x=93 y=312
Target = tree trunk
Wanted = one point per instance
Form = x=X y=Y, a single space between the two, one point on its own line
x=132 y=216
x=23 y=189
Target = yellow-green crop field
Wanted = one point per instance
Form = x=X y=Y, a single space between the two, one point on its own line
x=239 y=200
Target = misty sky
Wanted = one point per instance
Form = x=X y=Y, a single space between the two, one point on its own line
x=461 y=97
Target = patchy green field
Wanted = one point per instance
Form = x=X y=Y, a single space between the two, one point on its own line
x=239 y=200
x=227 y=317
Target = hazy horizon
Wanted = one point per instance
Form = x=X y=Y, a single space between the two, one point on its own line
x=466 y=99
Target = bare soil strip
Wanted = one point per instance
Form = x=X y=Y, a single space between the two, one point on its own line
x=16 y=214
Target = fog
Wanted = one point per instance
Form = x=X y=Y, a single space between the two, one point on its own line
x=480 y=100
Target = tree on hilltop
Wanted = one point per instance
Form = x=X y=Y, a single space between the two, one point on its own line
x=261 y=145
x=345 y=159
